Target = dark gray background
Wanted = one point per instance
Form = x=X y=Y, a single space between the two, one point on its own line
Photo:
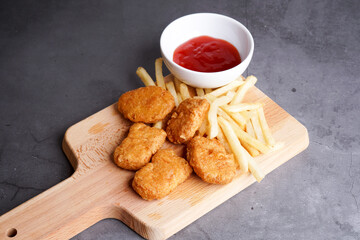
x=61 y=61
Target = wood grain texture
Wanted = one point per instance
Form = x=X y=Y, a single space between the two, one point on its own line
x=98 y=189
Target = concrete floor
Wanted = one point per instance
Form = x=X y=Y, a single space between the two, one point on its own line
x=61 y=61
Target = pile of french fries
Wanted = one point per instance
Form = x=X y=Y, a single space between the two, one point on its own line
x=240 y=127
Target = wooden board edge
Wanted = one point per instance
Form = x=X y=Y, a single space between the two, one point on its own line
x=69 y=151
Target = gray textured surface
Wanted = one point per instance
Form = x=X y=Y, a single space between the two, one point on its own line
x=61 y=61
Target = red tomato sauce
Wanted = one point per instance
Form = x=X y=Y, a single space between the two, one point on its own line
x=207 y=54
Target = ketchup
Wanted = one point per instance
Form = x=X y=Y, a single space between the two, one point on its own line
x=207 y=54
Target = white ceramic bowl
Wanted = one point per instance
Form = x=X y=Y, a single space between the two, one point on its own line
x=213 y=25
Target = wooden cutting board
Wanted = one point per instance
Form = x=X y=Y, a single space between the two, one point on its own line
x=98 y=189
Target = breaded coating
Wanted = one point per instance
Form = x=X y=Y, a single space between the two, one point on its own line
x=162 y=175
x=187 y=119
x=136 y=149
x=147 y=104
x=210 y=160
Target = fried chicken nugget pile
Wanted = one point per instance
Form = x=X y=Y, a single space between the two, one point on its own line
x=136 y=149
x=161 y=176
x=146 y=104
x=156 y=179
x=210 y=160
x=187 y=119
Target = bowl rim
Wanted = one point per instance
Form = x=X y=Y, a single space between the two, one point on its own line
x=171 y=61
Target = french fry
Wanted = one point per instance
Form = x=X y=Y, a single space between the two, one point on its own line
x=200 y=92
x=203 y=128
x=223 y=141
x=158 y=73
x=269 y=139
x=257 y=128
x=226 y=116
x=223 y=100
x=249 y=82
x=243 y=107
x=213 y=128
x=145 y=77
x=210 y=97
x=171 y=88
x=158 y=125
x=238 y=118
x=246 y=114
x=192 y=91
x=249 y=129
x=179 y=97
x=252 y=151
x=245 y=137
x=207 y=90
x=222 y=90
x=177 y=84
x=212 y=115
x=253 y=166
x=255 y=170
x=230 y=94
x=184 y=91
x=238 y=150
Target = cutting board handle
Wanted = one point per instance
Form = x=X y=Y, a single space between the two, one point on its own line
x=58 y=213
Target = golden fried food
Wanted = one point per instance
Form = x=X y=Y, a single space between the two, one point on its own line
x=210 y=160
x=136 y=149
x=147 y=104
x=162 y=175
x=187 y=119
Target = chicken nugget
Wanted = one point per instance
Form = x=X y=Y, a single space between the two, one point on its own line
x=210 y=160
x=137 y=148
x=146 y=104
x=162 y=175
x=187 y=119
